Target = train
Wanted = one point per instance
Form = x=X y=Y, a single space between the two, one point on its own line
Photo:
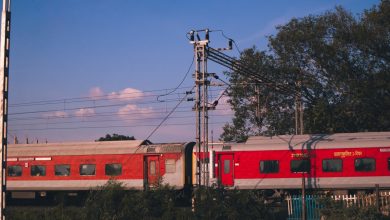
x=345 y=161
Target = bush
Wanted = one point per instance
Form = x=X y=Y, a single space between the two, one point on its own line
x=113 y=202
x=218 y=203
x=336 y=210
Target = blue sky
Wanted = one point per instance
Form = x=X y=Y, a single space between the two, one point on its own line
x=71 y=49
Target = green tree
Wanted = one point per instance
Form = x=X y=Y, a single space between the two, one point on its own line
x=115 y=137
x=340 y=63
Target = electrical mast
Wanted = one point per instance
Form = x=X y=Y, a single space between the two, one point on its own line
x=201 y=105
x=4 y=72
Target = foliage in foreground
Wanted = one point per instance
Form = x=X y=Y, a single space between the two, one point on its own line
x=336 y=210
x=111 y=201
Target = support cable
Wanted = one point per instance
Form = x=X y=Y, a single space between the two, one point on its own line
x=159 y=125
x=242 y=69
x=182 y=81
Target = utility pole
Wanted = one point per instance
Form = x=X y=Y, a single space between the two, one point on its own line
x=299 y=129
x=201 y=105
x=4 y=72
x=258 y=106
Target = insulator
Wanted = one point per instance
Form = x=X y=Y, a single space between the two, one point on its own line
x=230 y=44
x=192 y=37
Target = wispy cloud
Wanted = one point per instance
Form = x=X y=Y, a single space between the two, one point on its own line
x=96 y=93
x=126 y=94
x=270 y=27
x=139 y=112
x=84 y=112
x=56 y=114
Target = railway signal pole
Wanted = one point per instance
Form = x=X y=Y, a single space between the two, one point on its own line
x=4 y=73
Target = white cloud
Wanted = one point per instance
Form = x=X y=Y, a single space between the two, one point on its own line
x=96 y=93
x=84 y=112
x=127 y=111
x=56 y=114
x=127 y=94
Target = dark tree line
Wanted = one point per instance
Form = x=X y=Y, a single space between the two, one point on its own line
x=115 y=137
x=339 y=62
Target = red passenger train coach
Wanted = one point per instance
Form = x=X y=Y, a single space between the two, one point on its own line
x=85 y=165
x=338 y=161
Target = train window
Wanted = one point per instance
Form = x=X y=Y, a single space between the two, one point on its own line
x=15 y=170
x=114 y=169
x=170 y=165
x=226 y=166
x=269 y=166
x=332 y=165
x=87 y=169
x=300 y=166
x=62 y=170
x=152 y=167
x=38 y=170
x=365 y=164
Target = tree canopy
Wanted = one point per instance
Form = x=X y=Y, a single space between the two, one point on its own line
x=115 y=137
x=338 y=62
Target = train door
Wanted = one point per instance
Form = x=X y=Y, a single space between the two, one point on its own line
x=226 y=171
x=152 y=170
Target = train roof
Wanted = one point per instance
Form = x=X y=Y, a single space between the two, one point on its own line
x=318 y=141
x=92 y=148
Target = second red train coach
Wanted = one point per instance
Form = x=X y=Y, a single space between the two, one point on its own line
x=342 y=161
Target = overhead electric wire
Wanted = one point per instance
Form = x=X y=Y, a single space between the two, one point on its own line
x=99 y=114
x=94 y=106
x=242 y=69
x=114 y=126
x=182 y=81
x=90 y=99
x=90 y=107
x=228 y=38
x=111 y=120
x=122 y=98
x=158 y=126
